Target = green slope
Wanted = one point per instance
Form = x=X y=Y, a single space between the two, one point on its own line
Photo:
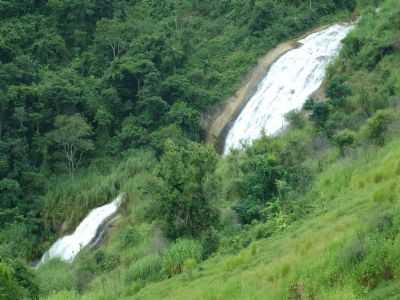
x=313 y=259
x=348 y=248
x=336 y=237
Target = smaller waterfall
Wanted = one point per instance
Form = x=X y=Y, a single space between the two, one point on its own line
x=68 y=247
x=288 y=84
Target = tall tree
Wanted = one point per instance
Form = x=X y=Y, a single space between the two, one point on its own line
x=186 y=192
x=72 y=135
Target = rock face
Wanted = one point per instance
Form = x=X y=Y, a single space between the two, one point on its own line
x=289 y=82
x=88 y=231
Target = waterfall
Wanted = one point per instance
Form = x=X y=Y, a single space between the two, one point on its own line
x=287 y=85
x=68 y=247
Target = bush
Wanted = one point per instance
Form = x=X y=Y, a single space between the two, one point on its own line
x=148 y=268
x=16 y=281
x=209 y=242
x=337 y=90
x=236 y=261
x=55 y=276
x=180 y=252
x=130 y=237
x=386 y=193
x=352 y=253
x=263 y=231
x=377 y=127
x=375 y=267
x=189 y=265
x=320 y=114
x=296 y=119
x=105 y=261
x=309 y=104
x=344 y=139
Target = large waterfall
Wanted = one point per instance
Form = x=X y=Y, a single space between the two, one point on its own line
x=287 y=85
x=67 y=247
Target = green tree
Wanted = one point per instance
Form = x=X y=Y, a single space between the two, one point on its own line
x=186 y=118
x=113 y=35
x=9 y=288
x=320 y=114
x=344 y=139
x=296 y=119
x=377 y=126
x=258 y=183
x=16 y=281
x=338 y=88
x=187 y=190
x=10 y=193
x=72 y=135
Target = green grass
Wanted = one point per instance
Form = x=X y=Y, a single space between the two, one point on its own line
x=314 y=258
x=300 y=261
x=342 y=244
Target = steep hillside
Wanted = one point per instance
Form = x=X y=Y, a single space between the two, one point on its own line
x=346 y=249
x=312 y=213
x=85 y=83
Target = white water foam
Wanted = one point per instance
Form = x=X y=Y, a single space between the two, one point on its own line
x=68 y=247
x=287 y=85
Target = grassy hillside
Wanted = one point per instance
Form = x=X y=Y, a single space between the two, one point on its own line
x=310 y=214
x=347 y=248
x=107 y=77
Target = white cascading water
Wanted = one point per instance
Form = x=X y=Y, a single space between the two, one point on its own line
x=287 y=85
x=68 y=247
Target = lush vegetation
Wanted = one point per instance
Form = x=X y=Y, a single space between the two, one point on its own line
x=310 y=214
x=84 y=82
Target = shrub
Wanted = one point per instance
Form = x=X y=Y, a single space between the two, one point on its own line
x=296 y=119
x=90 y=263
x=386 y=193
x=180 y=252
x=394 y=257
x=320 y=114
x=15 y=282
x=130 y=237
x=186 y=188
x=309 y=104
x=337 y=90
x=262 y=231
x=375 y=267
x=189 y=265
x=55 y=276
x=148 y=268
x=209 y=242
x=378 y=177
x=377 y=126
x=253 y=249
x=344 y=139
x=352 y=253
x=105 y=261
x=236 y=261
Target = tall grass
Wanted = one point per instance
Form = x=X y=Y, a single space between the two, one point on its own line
x=69 y=199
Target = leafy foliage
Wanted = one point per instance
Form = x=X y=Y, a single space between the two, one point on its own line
x=181 y=254
x=184 y=198
x=16 y=281
x=146 y=269
x=82 y=81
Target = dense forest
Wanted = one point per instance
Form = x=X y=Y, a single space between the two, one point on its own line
x=100 y=97
x=83 y=81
